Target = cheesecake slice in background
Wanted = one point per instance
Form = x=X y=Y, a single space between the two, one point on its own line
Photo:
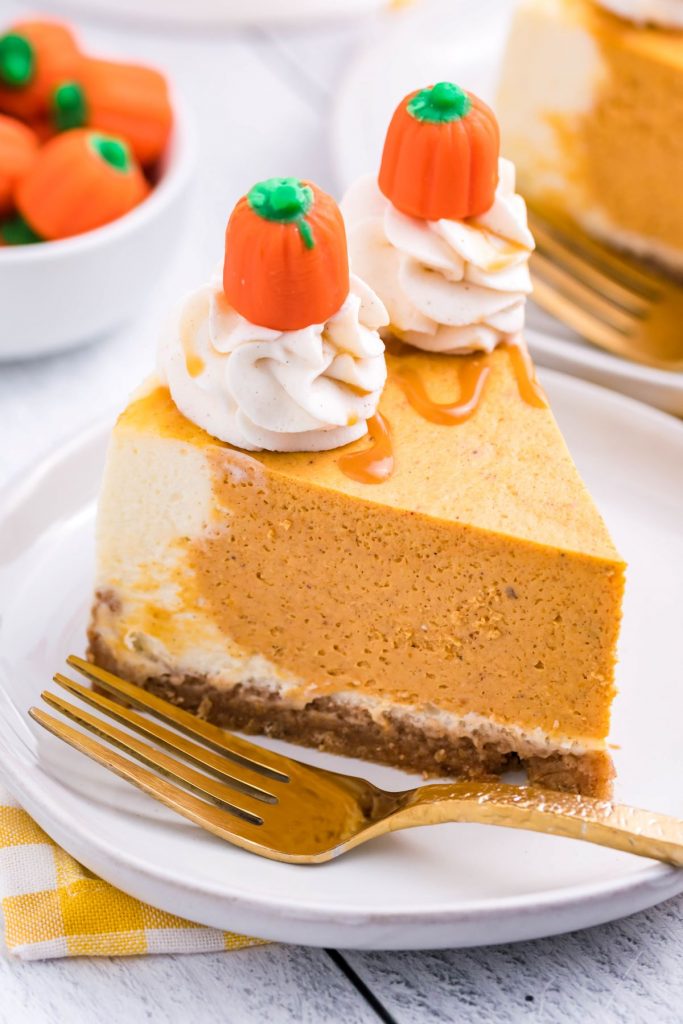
x=590 y=105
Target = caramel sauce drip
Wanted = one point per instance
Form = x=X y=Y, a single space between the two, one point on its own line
x=472 y=374
x=193 y=316
x=375 y=464
x=530 y=391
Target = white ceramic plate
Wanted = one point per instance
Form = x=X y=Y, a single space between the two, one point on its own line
x=228 y=13
x=464 y=40
x=453 y=885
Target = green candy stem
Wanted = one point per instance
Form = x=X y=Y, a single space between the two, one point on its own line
x=17 y=60
x=69 y=109
x=17 y=232
x=442 y=103
x=284 y=201
x=113 y=151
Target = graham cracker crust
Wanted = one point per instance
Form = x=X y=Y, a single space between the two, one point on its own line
x=337 y=726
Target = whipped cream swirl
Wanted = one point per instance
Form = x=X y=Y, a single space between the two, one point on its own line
x=257 y=388
x=449 y=286
x=667 y=13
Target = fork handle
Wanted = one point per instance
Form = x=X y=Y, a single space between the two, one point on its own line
x=645 y=833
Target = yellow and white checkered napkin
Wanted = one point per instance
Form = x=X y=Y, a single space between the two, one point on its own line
x=52 y=906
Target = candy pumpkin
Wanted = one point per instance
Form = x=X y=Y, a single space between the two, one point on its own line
x=43 y=128
x=440 y=156
x=128 y=100
x=286 y=264
x=34 y=57
x=80 y=181
x=18 y=150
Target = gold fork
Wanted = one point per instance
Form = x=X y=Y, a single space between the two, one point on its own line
x=288 y=811
x=610 y=299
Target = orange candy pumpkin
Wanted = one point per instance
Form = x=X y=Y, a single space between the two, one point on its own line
x=286 y=263
x=80 y=181
x=441 y=155
x=43 y=128
x=34 y=57
x=18 y=150
x=128 y=100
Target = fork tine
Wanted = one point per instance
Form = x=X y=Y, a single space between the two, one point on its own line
x=614 y=266
x=566 y=284
x=578 y=319
x=214 y=819
x=201 y=785
x=558 y=250
x=275 y=766
x=229 y=771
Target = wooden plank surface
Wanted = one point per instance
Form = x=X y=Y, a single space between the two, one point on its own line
x=278 y=984
x=630 y=971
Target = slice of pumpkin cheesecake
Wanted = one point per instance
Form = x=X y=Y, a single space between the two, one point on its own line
x=388 y=555
x=457 y=617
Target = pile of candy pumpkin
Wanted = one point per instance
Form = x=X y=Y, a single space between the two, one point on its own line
x=80 y=137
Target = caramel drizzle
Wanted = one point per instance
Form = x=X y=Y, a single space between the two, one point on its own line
x=530 y=391
x=196 y=312
x=472 y=374
x=375 y=464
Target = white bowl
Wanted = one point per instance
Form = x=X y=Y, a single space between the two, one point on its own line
x=56 y=295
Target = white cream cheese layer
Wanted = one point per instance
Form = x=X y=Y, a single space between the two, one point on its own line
x=262 y=389
x=449 y=286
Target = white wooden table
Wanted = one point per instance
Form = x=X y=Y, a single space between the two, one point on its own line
x=262 y=103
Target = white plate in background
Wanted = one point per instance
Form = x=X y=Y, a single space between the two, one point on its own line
x=463 y=40
x=443 y=886
x=225 y=13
